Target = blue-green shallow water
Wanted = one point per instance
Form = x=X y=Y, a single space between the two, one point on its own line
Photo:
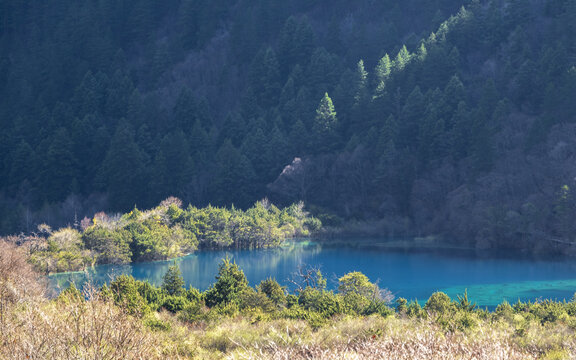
x=413 y=274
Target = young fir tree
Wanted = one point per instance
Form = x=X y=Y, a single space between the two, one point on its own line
x=173 y=282
x=325 y=124
x=230 y=284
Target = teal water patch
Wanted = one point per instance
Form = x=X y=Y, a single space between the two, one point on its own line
x=490 y=295
x=413 y=273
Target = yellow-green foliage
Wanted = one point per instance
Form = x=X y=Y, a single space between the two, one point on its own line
x=63 y=251
x=168 y=231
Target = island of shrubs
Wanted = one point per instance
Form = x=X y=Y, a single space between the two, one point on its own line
x=165 y=232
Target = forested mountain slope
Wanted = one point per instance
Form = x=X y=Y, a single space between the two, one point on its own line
x=434 y=117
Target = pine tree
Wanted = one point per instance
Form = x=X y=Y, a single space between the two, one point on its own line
x=184 y=112
x=173 y=281
x=325 y=120
x=299 y=138
x=234 y=177
x=123 y=169
x=360 y=83
x=23 y=163
x=382 y=72
x=325 y=124
x=230 y=284
x=60 y=167
x=265 y=78
x=402 y=59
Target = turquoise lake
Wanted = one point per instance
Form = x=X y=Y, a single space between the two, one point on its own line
x=489 y=278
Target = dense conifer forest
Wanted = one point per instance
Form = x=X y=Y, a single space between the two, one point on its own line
x=400 y=114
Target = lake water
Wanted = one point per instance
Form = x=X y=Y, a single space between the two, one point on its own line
x=412 y=274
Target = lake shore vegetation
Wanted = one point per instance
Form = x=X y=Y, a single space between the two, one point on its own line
x=164 y=232
x=131 y=319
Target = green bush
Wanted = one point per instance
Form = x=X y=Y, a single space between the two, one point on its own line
x=378 y=307
x=401 y=305
x=194 y=295
x=273 y=290
x=291 y=300
x=125 y=292
x=414 y=310
x=440 y=303
x=151 y=294
x=321 y=301
x=192 y=312
x=174 y=303
x=548 y=311
x=255 y=299
x=504 y=310
x=157 y=324
x=355 y=303
x=313 y=224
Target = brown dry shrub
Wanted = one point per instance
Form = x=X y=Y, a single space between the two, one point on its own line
x=74 y=328
x=18 y=280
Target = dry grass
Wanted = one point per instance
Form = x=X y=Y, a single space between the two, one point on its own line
x=377 y=338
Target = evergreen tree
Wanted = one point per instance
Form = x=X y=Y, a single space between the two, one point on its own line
x=23 y=163
x=325 y=125
x=325 y=121
x=299 y=138
x=123 y=169
x=59 y=167
x=383 y=71
x=234 y=177
x=230 y=284
x=402 y=59
x=173 y=282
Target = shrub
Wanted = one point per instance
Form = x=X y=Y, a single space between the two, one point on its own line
x=401 y=305
x=155 y=324
x=321 y=301
x=194 y=295
x=313 y=224
x=125 y=291
x=414 y=310
x=504 y=310
x=548 y=311
x=273 y=290
x=378 y=307
x=18 y=280
x=439 y=303
x=151 y=294
x=291 y=300
x=174 y=303
x=192 y=312
x=355 y=303
x=255 y=299
x=356 y=282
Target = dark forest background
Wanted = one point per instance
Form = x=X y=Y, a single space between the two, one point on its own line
x=419 y=117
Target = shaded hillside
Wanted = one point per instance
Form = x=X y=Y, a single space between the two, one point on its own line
x=391 y=112
x=108 y=104
x=469 y=136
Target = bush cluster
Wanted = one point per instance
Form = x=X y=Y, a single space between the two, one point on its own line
x=166 y=232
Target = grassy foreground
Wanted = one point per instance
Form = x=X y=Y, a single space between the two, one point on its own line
x=135 y=320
